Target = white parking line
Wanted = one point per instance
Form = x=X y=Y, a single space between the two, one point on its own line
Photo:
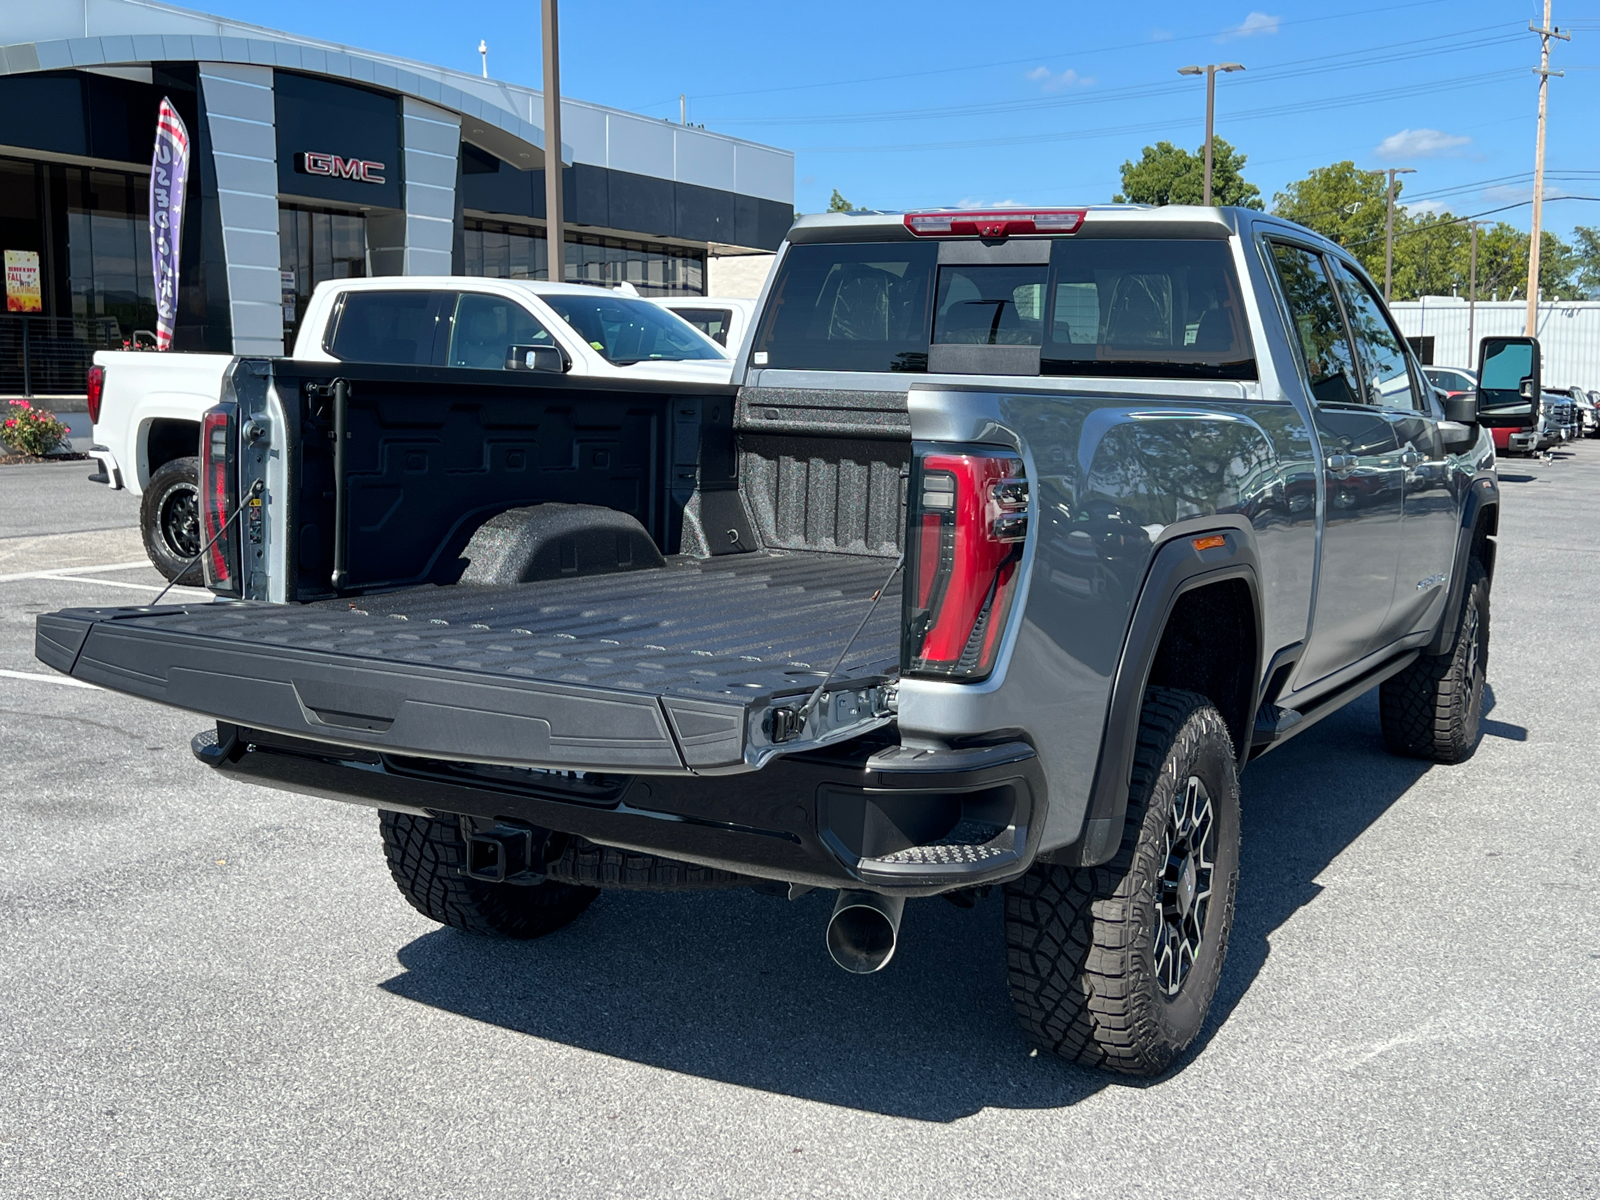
x=67 y=572
x=143 y=587
x=41 y=677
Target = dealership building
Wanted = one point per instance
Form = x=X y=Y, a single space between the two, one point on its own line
x=314 y=161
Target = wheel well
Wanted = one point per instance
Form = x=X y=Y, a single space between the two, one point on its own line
x=1488 y=524
x=167 y=439
x=1209 y=646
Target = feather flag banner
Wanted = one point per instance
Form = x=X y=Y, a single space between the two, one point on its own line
x=169 y=175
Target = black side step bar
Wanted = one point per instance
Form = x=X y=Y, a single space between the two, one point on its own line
x=1275 y=725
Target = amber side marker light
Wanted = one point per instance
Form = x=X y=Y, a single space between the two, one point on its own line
x=1209 y=543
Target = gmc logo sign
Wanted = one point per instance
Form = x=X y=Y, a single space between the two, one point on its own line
x=308 y=162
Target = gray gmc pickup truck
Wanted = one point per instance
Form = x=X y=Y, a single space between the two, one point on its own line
x=1015 y=537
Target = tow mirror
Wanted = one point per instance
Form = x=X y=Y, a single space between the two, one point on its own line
x=1508 y=379
x=535 y=358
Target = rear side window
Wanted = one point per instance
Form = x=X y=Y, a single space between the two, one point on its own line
x=1147 y=307
x=857 y=307
x=389 y=327
x=1314 y=311
x=713 y=322
x=486 y=327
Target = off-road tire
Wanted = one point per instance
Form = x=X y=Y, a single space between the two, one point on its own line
x=169 y=521
x=1081 y=941
x=1433 y=708
x=428 y=857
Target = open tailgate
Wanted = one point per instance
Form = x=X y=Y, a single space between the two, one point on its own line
x=700 y=666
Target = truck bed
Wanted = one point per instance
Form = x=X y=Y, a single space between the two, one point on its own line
x=670 y=670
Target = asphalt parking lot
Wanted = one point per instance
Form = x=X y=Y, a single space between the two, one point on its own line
x=210 y=989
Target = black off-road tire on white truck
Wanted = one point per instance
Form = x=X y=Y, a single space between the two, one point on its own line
x=428 y=859
x=1434 y=707
x=1115 y=966
x=169 y=521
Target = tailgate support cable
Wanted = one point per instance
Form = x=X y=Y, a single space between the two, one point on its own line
x=256 y=489
x=816 y=696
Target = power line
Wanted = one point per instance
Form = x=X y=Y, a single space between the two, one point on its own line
x=1011 y=62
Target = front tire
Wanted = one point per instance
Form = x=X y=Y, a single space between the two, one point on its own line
x=169 y=520
x=1434 y=707
x=1115 y=966
x=428 y=859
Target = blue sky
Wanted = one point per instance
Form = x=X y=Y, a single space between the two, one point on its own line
x=904 y=105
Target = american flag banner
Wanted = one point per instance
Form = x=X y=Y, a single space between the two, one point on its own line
x=169 y=173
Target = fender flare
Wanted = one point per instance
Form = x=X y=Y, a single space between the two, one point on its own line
x=1483 y=496
x=1176 y=567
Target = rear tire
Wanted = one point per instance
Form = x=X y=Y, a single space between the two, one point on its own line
x=428 y=856
x=1115 y=966
x=1434 y=707
x=169 y=520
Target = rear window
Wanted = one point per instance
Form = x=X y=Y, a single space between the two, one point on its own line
x=858 y=307
x=713 y=322
x=1162 y=308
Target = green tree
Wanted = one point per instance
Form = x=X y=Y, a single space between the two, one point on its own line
x=1166 y=174
x=838 y=203
x=1344 y=205
x=1586 y=259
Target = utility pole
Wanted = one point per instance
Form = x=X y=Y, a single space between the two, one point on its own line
x=555 y=239
x=683 y=109
x=1546 y=32
x=483 y=49
x=1210 y=72
x=1472 y=298
x=1388 y=235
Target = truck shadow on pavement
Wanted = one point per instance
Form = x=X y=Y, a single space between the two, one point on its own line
x=737 y=987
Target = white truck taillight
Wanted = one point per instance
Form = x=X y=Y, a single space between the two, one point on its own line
x=94 y=390
x=967 y=518
x=219 y=486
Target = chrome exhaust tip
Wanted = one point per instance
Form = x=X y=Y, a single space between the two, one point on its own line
x=864 y=930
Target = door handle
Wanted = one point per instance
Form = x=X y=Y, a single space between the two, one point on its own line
x=1342 y=462
x=1410 y=458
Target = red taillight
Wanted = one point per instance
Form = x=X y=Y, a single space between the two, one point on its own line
x=217 y=488
x=94 y=388
x=967 y=521
x=1005 y=223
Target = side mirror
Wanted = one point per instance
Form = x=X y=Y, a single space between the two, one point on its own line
x=1526 y=391
x=1461 y=408
x=536 y=358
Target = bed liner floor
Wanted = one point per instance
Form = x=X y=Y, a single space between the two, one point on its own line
x=668 y=669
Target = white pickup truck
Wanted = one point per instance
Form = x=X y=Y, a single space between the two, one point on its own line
x=146 y=407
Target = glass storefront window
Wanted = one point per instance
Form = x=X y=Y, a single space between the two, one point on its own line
x=108 y=248
x=316 y=245
x=498 y=251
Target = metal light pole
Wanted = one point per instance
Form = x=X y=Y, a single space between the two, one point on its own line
x=1546 y=32
x=555 y=240
x=1388 y=236
x=1210 y=72
x=1472 y=297
x=483 y=49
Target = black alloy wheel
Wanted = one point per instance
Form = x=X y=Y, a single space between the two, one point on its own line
x=1185 y=885
x=169 y=520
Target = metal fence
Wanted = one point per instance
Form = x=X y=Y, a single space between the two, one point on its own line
x=51 y=356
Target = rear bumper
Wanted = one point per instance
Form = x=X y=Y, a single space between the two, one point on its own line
x=110 y=473
x=878 y=815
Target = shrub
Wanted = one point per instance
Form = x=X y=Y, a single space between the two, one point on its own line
x=32 y=430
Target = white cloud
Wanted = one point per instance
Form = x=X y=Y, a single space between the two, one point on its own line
x=1255 y=24
x=1161 y=35
x=972 y=202
x=1427 y=208
x=1050 y=82
x=1420 y=143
